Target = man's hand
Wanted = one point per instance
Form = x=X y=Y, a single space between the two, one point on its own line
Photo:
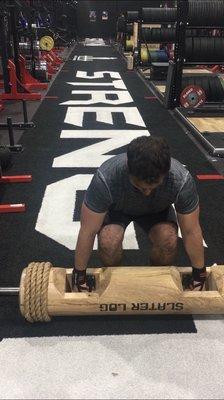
x=81 y=281
x=196 y=281
x=191 y=284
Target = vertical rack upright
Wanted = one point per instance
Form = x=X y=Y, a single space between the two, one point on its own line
x=175 y=70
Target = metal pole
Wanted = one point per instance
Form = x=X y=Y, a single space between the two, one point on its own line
x=10 y=130
x=32 y=41
x=9 y=291
x=25 y=112
x=13 y=16
x=4 y=38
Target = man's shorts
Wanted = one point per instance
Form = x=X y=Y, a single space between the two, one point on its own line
x=146 y=222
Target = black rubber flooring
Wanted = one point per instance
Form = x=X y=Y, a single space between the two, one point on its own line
x=21 y=243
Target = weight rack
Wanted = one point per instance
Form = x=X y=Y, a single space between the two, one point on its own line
x=174 y=80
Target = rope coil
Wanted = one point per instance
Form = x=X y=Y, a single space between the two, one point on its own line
x=36 y=292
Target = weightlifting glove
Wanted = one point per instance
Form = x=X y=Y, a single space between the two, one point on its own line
x=81 y=281
x=196 y=281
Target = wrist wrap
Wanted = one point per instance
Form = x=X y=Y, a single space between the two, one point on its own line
x=199 y=275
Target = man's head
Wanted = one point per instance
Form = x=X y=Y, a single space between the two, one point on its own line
x=148 y=162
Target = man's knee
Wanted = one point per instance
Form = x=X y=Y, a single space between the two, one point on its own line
x=164 y=236
x=164 y=244
x=110 y=244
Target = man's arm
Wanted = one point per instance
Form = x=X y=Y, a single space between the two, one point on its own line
x=192 y=237
x=91 y=223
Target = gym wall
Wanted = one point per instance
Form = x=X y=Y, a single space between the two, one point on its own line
x=106 y=28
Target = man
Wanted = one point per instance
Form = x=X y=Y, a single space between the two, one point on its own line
x=121 y=28
x=141 y=185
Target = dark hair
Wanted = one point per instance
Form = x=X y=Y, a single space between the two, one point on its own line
x=148 y=158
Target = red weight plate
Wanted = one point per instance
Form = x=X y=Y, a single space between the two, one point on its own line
x=192 y=97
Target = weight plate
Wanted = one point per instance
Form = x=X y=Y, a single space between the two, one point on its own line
x=222 y=87
x=192 y=40
x=220 y=47
x=172 y=33
x=211 y=55
x=147 y=34
x=153 y=56
x=129 y=29
x=46 y=43
x=204 y=82
x=188 y=49
x=155 y=35
x=197 y=50
x=218 y=12
x=204 y=47
x=132 y=16
x=129 y=45
x=219 y=89
x=216 y=48
x=162 y=56
x=203 y=12
x=207 y=12
x=192 y=97
x=222 y=82
x=212 y=88
x=185 y=82
x=157 y=15
x=146 y=14
x=192 y=13
x=144 y=56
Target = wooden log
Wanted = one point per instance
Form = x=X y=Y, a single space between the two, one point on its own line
x=133 y=290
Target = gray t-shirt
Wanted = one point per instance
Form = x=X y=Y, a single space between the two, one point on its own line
x=111 y=188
